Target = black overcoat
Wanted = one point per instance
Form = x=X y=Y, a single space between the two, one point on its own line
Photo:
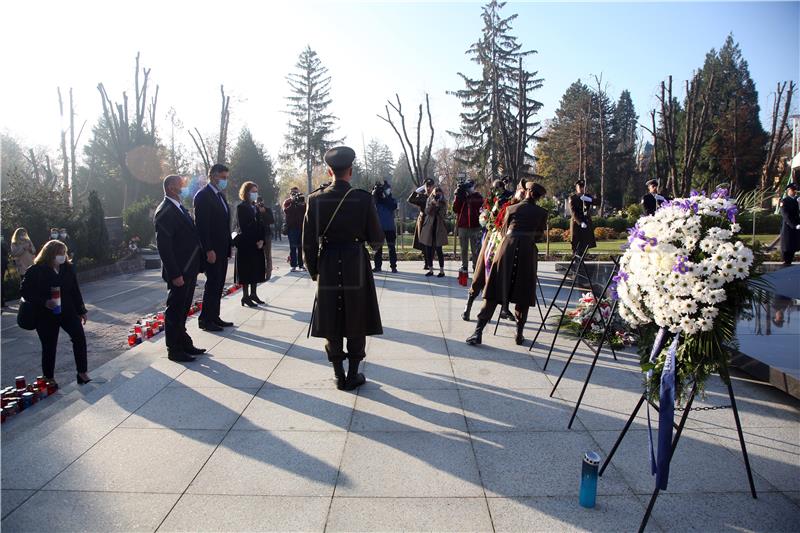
x=790 y=235
x=347 y=304
x=250 y=263
x=37 y=284
x=177 y=242
x=512 y=278
x=213 y=221
x=421 y=201
x=580 y=237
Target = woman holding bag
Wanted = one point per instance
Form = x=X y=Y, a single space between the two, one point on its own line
x=250 y=264
x=52 y=270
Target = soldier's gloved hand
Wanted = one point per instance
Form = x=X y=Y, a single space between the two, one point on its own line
x=420 y=189
x=797 y=226
x=659 y=197
x=583 y=225
x=586 y=198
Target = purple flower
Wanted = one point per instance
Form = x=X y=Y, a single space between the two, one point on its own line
x=720 y=193
x=730 y=213
x=681 y=267
x=616 y=279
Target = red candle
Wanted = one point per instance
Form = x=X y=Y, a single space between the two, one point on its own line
x=20 y=380
x=132 y=338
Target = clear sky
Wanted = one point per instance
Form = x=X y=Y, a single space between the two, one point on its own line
x=372 y=51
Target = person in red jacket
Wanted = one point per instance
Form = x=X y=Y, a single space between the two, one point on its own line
x=467 y=206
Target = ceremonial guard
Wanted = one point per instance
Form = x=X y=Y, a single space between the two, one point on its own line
x=790 y=226
x=652 y=200
x=581 y=229
x=339 y=221
x=512 y=278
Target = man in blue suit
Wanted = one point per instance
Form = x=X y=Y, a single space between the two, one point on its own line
x=213 y=220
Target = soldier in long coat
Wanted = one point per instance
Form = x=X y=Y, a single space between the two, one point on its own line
x=652 y=200
x=339 y=221
x=790 y=225
x=580 y=225
x=512 y=278
x=419 y=198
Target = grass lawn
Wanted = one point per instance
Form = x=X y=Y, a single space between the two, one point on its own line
x=604 y=247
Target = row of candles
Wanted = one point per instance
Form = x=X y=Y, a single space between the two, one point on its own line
x=23 y=395
x=147 y=328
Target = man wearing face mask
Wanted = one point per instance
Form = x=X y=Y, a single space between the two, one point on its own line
x=64 y=237
x=181 y=260
x=213 y=221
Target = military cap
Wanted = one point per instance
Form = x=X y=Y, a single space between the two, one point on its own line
x=429 y=181
x=340 y=157
x=580 y=182
x=651 y=182
x=792 y=186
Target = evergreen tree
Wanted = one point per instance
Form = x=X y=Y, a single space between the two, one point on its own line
x=492 y=103
x=311 y=125
x=250 y=162
x=96 y=242
x=735 y=151
x=624 y=185
x=378 y=162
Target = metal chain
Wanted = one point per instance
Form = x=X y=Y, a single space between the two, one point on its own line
x=712 y=408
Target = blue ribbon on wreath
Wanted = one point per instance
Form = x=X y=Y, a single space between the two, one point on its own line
x=659 y=464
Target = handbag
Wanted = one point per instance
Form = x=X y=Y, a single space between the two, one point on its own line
x=26 y=316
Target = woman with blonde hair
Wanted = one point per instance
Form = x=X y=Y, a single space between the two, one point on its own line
x=22 y=251
x=52 y=270
x=433 y=233
x=250 y=264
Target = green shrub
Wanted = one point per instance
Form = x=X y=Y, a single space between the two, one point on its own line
x=138 y=220
x=604 y=234
x=558 y=222
x=767 y=223
x=634 y=211
x=619 y=224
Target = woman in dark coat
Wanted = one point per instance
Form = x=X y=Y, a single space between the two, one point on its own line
x=512 y=278
x=250 y=264
x=433 y=233
x=50 y=269
x=580 y=224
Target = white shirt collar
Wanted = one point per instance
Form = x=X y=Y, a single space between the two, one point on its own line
x=216 y=191
x=174 y=201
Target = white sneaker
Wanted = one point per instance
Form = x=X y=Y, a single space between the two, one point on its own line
x=302 y=269
x=294 y=269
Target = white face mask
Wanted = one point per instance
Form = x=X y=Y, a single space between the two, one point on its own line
x=54 y=235
x=253 y=196
x=61 y=259
x=63 y=235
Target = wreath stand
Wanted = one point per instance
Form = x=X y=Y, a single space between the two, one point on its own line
x=577 y=262
x=606 y=327
x=678 y=430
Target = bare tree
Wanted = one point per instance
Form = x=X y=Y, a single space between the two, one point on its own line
x=202 y=144
x=414 y=157
x=125 y=135
x=601 y=115
x=779 y=133
x=68 y=152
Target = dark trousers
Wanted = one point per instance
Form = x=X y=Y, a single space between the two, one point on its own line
x=429 y=250
x=355 y=349
x=212 y=294
x=391 y=242
x=295 y=247
x=788 y=257
x=486 y=312
x=47 y=328
x=179 y=299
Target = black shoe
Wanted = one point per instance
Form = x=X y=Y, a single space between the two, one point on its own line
x=191 y=350
x=394 y=270
x=352 y=383
x=209 y=326
x=180 y=357
x=376 y=269
x=429 y=273
x=506 y=314
x=257 y=300
x=440 y=275
x=248 y=302
x=477 y=335
x=519 y=339
x=82 y=381
x=338 y=372
x=222 y=323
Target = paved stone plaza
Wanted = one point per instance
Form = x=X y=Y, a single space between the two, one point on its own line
x=444 y=437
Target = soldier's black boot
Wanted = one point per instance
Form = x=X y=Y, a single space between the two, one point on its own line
x=505 y=312
x=477 y=335
x=468 y=308
x=354 y=378
x=338 y=371
x=519 y=339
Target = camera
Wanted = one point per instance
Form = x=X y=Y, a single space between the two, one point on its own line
x=298 y=198
x=463 y=185
x=378 y=190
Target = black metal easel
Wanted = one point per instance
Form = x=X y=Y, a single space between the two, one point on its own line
x=678 y=430
x=580 y=259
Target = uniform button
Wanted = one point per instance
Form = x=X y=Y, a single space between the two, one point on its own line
x=340 y=273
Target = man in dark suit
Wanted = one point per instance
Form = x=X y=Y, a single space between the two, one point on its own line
x=790 y=225
x=181 y=260
x=652 y=200
x=343 y=219
x=213 y=221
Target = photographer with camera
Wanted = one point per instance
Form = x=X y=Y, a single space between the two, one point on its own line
x=294 y=209
x=467 y=206
x=433 y=233
x=386 y=205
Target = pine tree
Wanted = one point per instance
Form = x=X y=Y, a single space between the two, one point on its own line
x=494 y=102
x=624 y=183
x=378 y=162
x=311 y=126
x=735 y=150
x=250 y=162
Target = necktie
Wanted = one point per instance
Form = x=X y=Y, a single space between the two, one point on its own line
x=222 y=199
x=186 y=212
